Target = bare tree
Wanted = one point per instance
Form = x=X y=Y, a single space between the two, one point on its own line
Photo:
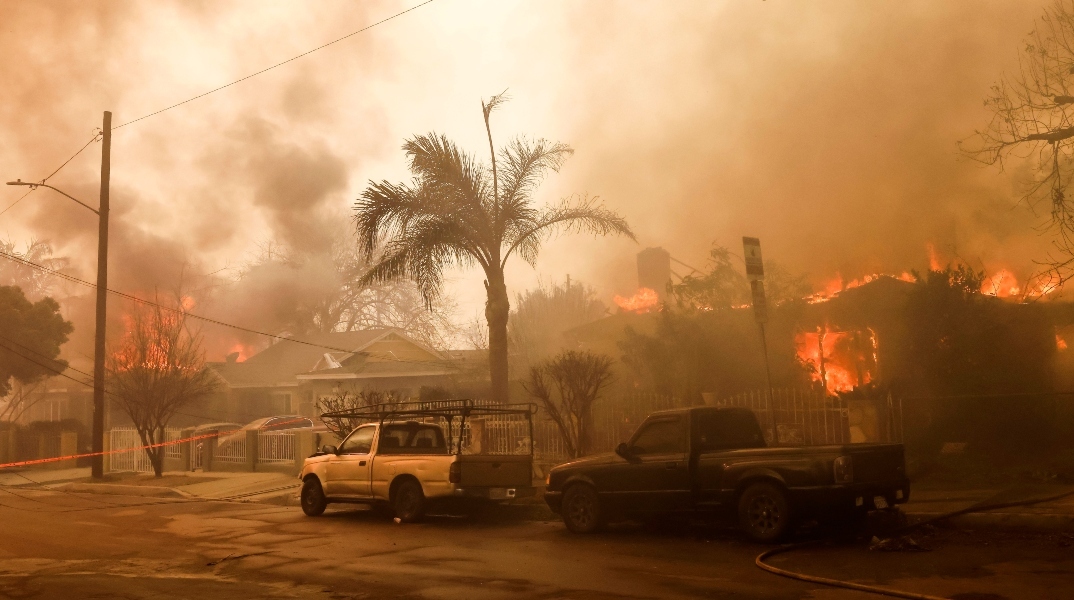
x=325 y=292
x=158 y=368
x=1033 y=119
x=351 y=400
x=567 y=386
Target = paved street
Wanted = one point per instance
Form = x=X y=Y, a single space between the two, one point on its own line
x=62 y=545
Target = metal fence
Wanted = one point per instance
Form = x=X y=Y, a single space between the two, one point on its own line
x=801 y=417
x=275 y=447
x=128 y=454
x=231 y=450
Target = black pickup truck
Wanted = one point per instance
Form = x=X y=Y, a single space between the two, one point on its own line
x=708 y=460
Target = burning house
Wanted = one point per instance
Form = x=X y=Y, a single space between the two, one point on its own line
x=291 y=377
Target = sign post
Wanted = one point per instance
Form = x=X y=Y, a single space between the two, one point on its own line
x=751 y=248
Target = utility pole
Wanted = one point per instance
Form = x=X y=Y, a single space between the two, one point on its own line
x=102 y=299
x=751 y=248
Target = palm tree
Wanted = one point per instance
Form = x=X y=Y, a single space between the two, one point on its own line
x=458 y=212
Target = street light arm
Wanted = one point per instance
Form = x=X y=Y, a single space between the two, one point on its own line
x=37 y=185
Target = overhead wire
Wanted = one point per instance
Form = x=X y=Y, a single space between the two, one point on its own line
x=279 y=64
x=33 y=187
x=137 y=299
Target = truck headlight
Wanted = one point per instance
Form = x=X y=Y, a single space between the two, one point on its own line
x=843 y=468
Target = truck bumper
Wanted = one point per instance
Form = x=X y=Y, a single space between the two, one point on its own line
x=861 y=496
x=492 y=493
x=554 y=500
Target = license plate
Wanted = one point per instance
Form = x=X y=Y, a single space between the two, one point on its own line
x=498 y=494
x=880 y=502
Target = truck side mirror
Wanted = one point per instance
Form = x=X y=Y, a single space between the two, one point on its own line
x=327 y=449
x=624 y=450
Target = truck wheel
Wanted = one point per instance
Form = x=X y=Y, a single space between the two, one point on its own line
x=313 y=500
x=581 y=509
x=764 y=513
x=409 y=502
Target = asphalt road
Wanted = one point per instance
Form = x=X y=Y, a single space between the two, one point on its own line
x=68 y=545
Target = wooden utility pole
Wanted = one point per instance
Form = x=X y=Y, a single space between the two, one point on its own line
x=102 y=299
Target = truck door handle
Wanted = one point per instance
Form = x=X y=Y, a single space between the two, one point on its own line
x=671 y=465
x=361 y=463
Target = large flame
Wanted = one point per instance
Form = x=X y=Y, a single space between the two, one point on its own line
x=834 y=286
x=838 y=360
x=643 y=301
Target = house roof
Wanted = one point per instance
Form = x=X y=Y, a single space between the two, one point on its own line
x=337 y=355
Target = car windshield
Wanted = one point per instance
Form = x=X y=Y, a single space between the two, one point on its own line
x=412 y=438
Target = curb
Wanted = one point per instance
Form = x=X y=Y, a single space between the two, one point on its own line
x=984 y=520
x=147 y=491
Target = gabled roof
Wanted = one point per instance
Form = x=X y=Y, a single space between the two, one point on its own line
x=325 y=354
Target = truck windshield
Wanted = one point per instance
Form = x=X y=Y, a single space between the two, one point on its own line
x=411 y=438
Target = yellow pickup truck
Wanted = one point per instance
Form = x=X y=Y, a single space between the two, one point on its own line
x=405 y=458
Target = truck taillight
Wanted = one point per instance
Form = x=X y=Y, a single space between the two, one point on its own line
x=844 y=469
x=455 y=472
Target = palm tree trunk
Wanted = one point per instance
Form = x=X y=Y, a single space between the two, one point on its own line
x=497 y=307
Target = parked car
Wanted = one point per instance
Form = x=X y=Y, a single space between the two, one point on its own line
x=711 y=460
x=402 y=462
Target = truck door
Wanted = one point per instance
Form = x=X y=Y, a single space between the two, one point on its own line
x=658 y=477
x=349 y=470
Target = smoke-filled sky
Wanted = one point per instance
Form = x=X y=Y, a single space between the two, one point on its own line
x=827 y=129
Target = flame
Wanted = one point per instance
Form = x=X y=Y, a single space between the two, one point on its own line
x=1060 y=343
x=643 y=301
x=834 y=286
x=934 y=259
x=1002 y=283
x=838 y=360
x=243 y=350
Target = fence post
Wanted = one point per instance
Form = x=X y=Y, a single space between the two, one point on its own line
x=305 y=445
x=107 y=448
x=208 y=447
x=5 y=435
x=185 y=450
x=68 y=447
x=251 y=449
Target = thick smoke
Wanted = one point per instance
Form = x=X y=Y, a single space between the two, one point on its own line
x=826 y=129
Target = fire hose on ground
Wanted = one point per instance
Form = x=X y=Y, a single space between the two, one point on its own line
x=760 y=560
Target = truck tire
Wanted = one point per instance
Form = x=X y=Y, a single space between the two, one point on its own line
x=764 y=512
x=313 y=499
x=581 y=509
x=409 y=502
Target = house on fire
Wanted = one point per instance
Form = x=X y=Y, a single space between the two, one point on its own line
x=290 y=377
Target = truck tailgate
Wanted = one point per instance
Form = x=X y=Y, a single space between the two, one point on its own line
x=490 y=470
x=878 y=463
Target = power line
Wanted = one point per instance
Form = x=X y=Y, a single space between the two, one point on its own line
x=96 y=136
x=132 y=298
x=293 y=58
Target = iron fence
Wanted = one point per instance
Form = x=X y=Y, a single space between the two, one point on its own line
x=128 y=454
x=275 y=447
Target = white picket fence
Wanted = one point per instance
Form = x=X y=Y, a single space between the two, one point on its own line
x=128 y=454
x=275 y=447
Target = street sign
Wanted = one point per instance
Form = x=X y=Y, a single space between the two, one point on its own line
x=760 y=304
x=751 y=248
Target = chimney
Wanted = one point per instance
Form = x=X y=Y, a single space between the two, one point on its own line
x=654 y=270
x=232 y=358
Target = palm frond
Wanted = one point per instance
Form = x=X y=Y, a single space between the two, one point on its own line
x=584 y=215
x=525 y=163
